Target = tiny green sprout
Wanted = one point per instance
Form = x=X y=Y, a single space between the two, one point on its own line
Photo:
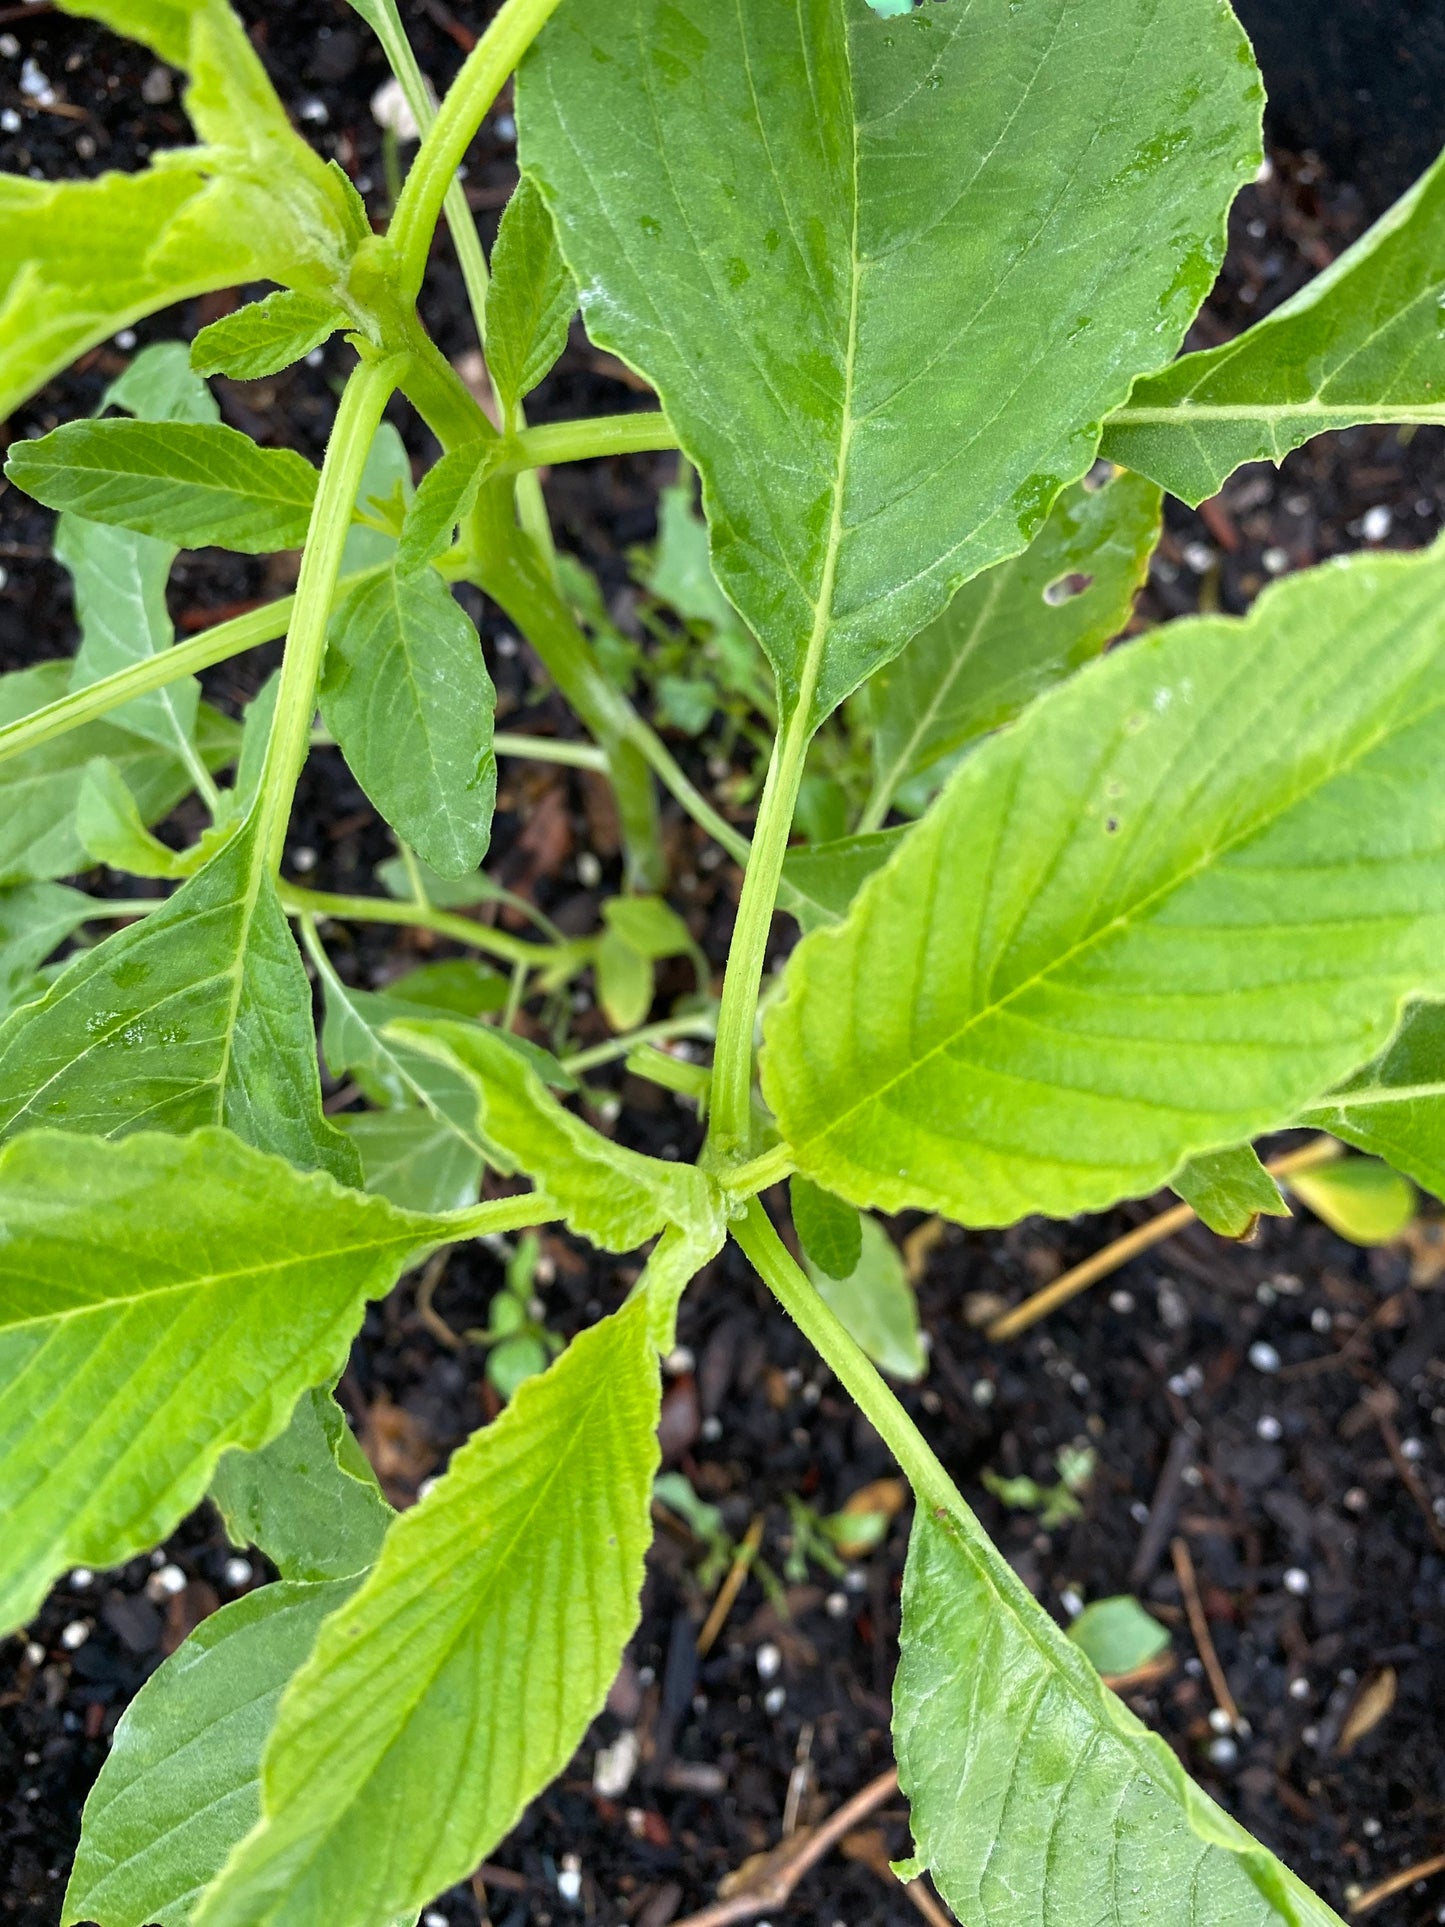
x=1055 y=1504
x=520 y=1344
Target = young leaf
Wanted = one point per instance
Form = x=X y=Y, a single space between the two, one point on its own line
x=199 y=1014
x=680 y=573
x=160 y=1300
x=614 y=1196
x=397 y=1761
x=639 y=932
x=532 y=298
x=1395 y=1106
x=309 y=1499
x=1360 y=1198
x=1362 y=342
x=829 y=1231
x=1118 y=940
x=410 y=1158
x=883 y=315
x=1230 y=1191
x=182 y=1782
x=1010 y=634
x=447 y=495
x=35 y=919
x=875 y=1301
x=1117 y=1636
x=266 y=336
x=193 y=484
x=1035 y=1793
x=820 y=880
x=407 y=696
x=385 y=480
x=38 y=788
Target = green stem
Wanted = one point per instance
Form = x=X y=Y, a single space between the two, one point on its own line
x=589 y=439
x=746 y=1180
x=854 y=1370
x=701 y=1024
x=673 y=777
x=551 y=749
x=357 y=420
x=468 y=101
x=732 y=1078
x=499 y=1214
x=420 y=916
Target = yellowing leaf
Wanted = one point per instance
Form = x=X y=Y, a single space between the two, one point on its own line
x=1361 y=1198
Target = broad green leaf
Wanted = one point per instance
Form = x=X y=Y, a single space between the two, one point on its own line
x=39 y=788
x=266 y=336
x=182 y=1783
x=1136 y=926
x=1117 y=1636
x=460 y=987
x=875 y=1301
x=198 y=1014
x=446 y=497
x=614 y=1196
x=1036 y=1795
x=160 y=1300
x=1395 y=1107
x=1360 y=1198
x=1230 y=1191
x=159 y=385
x=386 y=480
x=109 y=826
x=309 y=1499
x=193 y=484
x=1363 y=342
x=35 y=919
x=829 y=1231
x=1010 y=634
x=407 y=696
x=412 y=1159
x=531 y=301
x=120 y=577
x=888 y=277
x=398 y=1759
x=820 y=880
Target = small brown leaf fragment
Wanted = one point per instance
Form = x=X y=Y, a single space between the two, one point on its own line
x=1372 y=1704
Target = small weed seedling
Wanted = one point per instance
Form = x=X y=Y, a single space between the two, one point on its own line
x=909 y=283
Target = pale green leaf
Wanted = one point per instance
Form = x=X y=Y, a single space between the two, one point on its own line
x=1230 y=1191
x=1360 y=1198
x=1009 y=635
x=649 y=926
x=413 y=1159
x=399 y=1759
x=625 y=982
x=1395 y=1107
x=256 y=723
x=182 y=1782
x=888 y=277
x=680 y=573
x=198 y=1014
x=829 y=1231
x=459 y=987
x=161 y=386
x=616 y=1197
x=876 y=1304
x=35 y=919
x=407 y=696
x=446 y=497
x=444 y=893
x=192 y=484
x=266 y=336
x=1117 y=1636
x=531 y=301
x=820 y=880
x=1036 y=1795
x=160 y=1300
x=1363 y=342
x=38 y=788
x=1136 y=926
x=308 y=1500
x=110 y=827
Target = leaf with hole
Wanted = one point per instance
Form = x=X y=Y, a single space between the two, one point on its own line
x=192 y=484
x=1230 y=1191
x=884 y=319
x=395 y=1765
x=1362 y=342
x=160 y=1300
x=1117 y=941
x=1034 y=1793
x=407 y=696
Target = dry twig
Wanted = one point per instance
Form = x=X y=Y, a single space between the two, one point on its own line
x=730 y=1587
x=1397 y=1883
x=1199 y=1626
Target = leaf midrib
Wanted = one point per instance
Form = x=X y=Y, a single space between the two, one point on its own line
x=1178 y=881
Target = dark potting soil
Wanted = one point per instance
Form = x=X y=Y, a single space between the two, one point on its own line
x=1306 y=1478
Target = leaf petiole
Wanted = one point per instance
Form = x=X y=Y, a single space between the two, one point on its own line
x=645 y=432
x=296 y=902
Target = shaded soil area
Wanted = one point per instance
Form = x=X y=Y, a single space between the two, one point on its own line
x=1278 y=1408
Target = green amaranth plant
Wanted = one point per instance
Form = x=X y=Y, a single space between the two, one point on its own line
x=897 y=281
